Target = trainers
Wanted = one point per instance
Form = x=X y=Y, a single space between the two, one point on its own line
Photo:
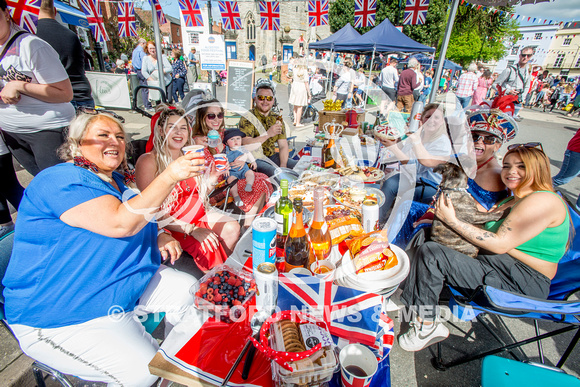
x=420 y=336
x=518 y=118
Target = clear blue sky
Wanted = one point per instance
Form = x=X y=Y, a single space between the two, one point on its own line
x=557 y=10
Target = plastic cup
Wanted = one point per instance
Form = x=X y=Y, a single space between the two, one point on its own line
x=198 y=149
x=323 y=269
x=221 y=162
x=357 y=365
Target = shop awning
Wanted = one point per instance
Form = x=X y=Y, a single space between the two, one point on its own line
x=71 y=15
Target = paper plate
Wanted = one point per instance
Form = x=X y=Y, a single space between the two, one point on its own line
x=376 y=280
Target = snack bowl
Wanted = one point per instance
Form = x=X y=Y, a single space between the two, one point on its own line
x=224 y=291
x=380 y=279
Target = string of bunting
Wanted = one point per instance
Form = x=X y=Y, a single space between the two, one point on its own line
x=515 y=16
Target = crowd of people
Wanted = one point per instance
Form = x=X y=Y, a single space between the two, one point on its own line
x=94 y=240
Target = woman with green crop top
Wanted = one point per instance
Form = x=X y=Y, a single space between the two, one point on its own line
x=519 y=253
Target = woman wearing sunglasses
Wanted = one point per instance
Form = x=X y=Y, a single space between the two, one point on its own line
x=209 y=237
x=489 y=129
x=519 y=253
x=210 y=115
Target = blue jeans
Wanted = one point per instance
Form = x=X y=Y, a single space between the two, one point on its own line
x=178 y=84
x=464 y=101
x=570 y=169
x=423 y=193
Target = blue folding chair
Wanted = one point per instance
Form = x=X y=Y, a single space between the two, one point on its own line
x=557 y=308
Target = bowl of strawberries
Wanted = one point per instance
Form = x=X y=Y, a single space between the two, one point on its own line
x=225 y=291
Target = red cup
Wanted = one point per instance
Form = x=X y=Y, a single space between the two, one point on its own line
x=221 y=162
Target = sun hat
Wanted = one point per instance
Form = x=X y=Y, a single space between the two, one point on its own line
x=233 y=133
x=495 y=118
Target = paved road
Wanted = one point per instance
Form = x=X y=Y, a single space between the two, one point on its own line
x=408 y=369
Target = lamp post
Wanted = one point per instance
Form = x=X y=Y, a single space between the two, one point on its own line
x=210 y=28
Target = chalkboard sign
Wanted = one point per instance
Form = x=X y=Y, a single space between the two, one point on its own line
x=240 y=84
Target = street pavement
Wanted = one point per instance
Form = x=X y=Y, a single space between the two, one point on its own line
x=407 y=369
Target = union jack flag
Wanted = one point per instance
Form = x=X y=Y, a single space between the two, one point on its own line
x=191 y=13
x=364 y=13
x=349 y=313
x=317 y=13
x=231 y=18
x=92 y=10
x=269 y=15
x=416 y=12
x=126 y=19
x=159 y=11
x=25 y=13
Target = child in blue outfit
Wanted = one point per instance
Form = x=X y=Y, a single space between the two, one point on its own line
x=234 y=149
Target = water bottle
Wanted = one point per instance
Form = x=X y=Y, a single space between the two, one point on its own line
x=415 y=118
x=213 y=139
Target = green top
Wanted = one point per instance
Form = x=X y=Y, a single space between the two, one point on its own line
x=549 y=245
x=268 y=146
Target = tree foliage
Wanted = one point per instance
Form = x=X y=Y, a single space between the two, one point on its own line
x=477 y=34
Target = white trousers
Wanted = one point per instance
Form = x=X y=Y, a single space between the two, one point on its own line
x=114 y=349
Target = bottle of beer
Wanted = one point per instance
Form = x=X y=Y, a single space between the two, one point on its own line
x=297 y=247
x=283 y=217
x=319 y=233
x=327 y=158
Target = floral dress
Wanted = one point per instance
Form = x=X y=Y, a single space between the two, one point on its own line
x=261 y=186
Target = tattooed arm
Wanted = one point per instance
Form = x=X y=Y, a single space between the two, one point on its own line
x=532 y=215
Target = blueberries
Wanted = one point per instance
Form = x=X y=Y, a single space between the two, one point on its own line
x=223 y=280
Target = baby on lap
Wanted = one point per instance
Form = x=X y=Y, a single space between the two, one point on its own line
x=234 y=149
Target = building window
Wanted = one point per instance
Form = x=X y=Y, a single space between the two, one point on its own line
x=559 y=60
x=511 y=62
x=515 y=50
x=538 y=36
x=250 y=28
x=178 y=32
x=578 y=62
x=567 y=42
x=194 y=38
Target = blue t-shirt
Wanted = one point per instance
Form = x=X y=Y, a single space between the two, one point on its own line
x=60 y=275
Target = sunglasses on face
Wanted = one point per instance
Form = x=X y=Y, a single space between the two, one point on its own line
x=487 y=140
x=529 y=145
x=213 y=116
x=528 y=55
x=265 y=97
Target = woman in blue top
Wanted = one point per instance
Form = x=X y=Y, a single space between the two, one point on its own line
x=179 y=75
x=87 y=260
x=521 y=251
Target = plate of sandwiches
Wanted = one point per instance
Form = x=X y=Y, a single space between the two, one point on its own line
x=355 y=196
x=305 y=191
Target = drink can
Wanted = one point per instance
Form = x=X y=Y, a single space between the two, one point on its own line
x=266 y=277
x=263 y=241
x=415 y=118
x=221 y=162
x=370 y=214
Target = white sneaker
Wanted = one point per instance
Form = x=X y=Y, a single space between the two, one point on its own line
x=420 y=336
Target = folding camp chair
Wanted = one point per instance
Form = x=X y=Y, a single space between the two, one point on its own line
x=557 y=308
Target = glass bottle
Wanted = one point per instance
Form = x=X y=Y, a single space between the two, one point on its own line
x=283 y=217
x=319 y=233
x=327 y=158
x=297 y=247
